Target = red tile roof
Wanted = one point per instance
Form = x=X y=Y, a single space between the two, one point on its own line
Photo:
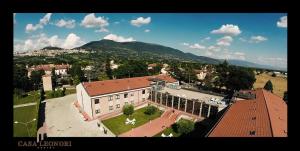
x=48 y=67
x=266 y=116
x=118 y=85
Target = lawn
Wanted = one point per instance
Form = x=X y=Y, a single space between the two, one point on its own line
x=33 y=96
x=279 y=83
x=25 y=114
x=170 y=130
x=117 y=124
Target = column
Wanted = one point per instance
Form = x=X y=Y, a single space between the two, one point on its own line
x=160 y=98
x=200 y=109
x=185 y=105
x=178 y=103
x=155 y=97
x=167 y=99
x=172 y=101
x=193 y=107
x=209 y=106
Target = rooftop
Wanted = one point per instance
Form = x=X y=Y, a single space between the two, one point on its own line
x=118 y=85
x=264 y=116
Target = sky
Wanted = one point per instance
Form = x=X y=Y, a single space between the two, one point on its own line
x=256 y=37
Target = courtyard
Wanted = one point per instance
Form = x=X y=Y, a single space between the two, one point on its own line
x=64 y=120
x=117 y=124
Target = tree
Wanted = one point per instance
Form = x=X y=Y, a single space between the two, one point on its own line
x=42 y=94
x=150 y=110
x=53 y=78
x=36 y=78
x=240 y=78
x=103 y=76
x=185 y=126
x=20 y=78
x=76 y=80
x=128 y=109
x=108 y=69
x=269 y=86
x=285 y=96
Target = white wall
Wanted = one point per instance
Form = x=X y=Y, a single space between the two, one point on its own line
x=84 y=99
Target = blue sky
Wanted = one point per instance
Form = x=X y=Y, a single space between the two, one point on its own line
x=259 y=37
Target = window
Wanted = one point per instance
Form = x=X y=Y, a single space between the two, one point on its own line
x=118 y=106
x=143 y=92
x=96 y=101
x=125 y=95
x=117 y=96
x=110 y=98
x=132 y=94
x=252 y=132
x=97 y=111
x=111 y=107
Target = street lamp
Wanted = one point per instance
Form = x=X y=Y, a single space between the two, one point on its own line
x=26 y=124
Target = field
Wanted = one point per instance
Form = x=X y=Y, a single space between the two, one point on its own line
x=117 y=124
x=279 y=83
x=23 y=115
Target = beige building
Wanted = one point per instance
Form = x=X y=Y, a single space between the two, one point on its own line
x=104 y=97
x=47 y=82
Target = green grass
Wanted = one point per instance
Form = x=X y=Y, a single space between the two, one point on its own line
x=33 y=96
x=117 y=124
x=68 y=91
x=25 y=114
x=169 y=130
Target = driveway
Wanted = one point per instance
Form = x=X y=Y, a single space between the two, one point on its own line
x=64 y=120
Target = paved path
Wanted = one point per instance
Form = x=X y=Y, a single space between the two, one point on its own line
x=154 y=127
x=23 y=105
x=64 y=120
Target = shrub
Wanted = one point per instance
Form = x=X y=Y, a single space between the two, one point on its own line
x=269 y=86
x=273 y=75
x=128 y=109
x=150 y=110
x=64 y=91
x=185 y=126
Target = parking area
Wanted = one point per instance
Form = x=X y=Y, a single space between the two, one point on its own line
x=64 y=120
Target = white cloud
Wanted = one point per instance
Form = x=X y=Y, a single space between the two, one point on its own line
x=72 y=41
x=224 y=41
x=40 y=41
x=214 y=48
x=283 y=22
x=44 y=21
x=185 y=44
x=243 y=39
x=102 y=30
x=257 y=39
x=147 y=30
x=140 y=21
x=205 y=39
x=91 y=21
x=66 y=23
x=118 y=38
x=197 y=46
x=30 y=27
x=228 y=29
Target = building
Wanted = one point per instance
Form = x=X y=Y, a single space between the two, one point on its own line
x=100 y=98
x=59 y=69
x=263 y=116
x=47 y=82
x=151 y=66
